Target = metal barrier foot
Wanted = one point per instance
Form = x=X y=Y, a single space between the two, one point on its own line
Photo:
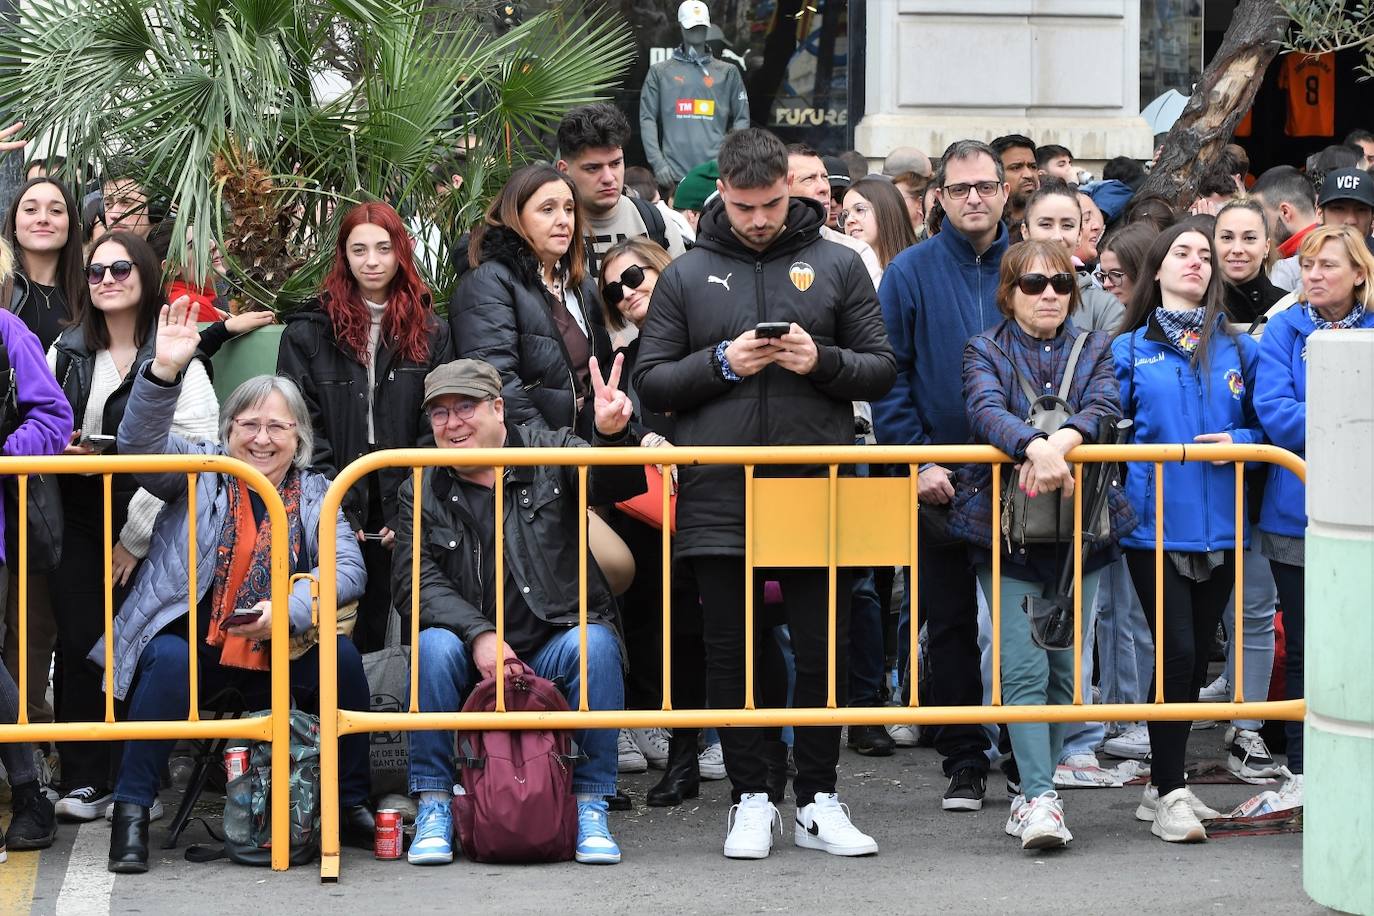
x=329 y=868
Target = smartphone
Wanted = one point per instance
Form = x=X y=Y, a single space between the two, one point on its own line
x=242 y=616
x=372 y=536
x=772 y=328
x=98 y=444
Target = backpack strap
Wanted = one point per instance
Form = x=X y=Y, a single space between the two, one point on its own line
x=1067 y=381
x=654 y=223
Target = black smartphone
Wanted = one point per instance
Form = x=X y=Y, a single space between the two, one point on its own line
x=242 y=616
x=772 y=328
x=98 y=444
x=373 y=536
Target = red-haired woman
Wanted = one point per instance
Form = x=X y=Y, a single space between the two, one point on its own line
x=360 y=355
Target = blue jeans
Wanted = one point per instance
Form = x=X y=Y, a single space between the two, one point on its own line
x=1258 y=617
x=1033 y=676
x=866 y=653
x=1125 y=649
x=1084 y=737
x=161 y=693
x=447 y=675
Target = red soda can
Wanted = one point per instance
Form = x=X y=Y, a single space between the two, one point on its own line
x=386 y=842
x=235 y=762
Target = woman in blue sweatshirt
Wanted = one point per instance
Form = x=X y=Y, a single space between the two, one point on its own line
x=1184 y=378
x=1337 y=293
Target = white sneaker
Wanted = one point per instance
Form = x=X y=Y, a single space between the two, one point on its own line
x=1082 y=771
x=1247 y=756
x=751 y=823
x=1202 y=725
x=653 y=744
x=631 y=757
x=824 y=824
x=1219 y=691
x=1291 y=792
x=84 y=804
x=904 y=735
x=1016 y=819
x=1149 y=804
x=1042 y=823
x=711 y=762
x=1175 y=820
x=1132 y=744
x=154 y=813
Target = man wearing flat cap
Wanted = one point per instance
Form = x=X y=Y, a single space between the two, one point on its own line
x=458 y=645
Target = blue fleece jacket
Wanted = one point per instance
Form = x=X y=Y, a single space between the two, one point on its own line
x=934 y=296
x=45 y=417
x=1281 y=405
x=1173 y=401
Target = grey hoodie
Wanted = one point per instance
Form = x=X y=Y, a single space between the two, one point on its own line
x=686 y=106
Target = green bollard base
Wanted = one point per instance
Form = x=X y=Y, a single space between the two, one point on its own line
x=1338 y=820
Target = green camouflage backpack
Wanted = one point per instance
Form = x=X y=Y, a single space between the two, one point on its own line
x=247 y=807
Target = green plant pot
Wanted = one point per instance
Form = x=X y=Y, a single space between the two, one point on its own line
x=254 y=353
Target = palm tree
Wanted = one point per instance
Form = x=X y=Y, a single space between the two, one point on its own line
x=260 y=121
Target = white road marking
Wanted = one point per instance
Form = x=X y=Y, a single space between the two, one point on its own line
x=88 y=883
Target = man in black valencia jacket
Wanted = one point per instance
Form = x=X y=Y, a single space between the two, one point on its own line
x=759 y=258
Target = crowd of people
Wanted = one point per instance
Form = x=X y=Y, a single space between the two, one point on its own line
x=992 y=294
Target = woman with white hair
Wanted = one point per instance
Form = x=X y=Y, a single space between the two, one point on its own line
x=264 y=423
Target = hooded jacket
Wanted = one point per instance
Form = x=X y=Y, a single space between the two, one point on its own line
x=935 y=297
x=334 y=385
x=1281 y=405
x=502 y=313
x=719 y=290
x=1171 y=400
x=686 y=106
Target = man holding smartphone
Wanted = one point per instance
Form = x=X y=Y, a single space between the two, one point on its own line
x=713 y=352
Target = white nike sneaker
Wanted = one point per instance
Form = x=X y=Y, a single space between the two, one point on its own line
x=824 y=824
x=751 y=827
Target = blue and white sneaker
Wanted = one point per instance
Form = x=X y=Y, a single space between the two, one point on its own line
x=595 y=845
x=433 y=843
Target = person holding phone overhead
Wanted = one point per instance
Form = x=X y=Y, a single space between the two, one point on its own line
x=758 y=258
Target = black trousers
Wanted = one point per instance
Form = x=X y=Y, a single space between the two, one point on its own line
x=1289 y=581
x=1192 y=611
x=948 y=606
x=748 y=751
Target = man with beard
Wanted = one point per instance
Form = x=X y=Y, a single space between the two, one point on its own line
x=1022 y=176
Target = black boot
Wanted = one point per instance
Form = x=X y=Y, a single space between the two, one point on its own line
x=682 y=779
x=871 y=741
x=34 y=825
x=129 y=839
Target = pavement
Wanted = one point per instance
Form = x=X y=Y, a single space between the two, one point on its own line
x=931 y=861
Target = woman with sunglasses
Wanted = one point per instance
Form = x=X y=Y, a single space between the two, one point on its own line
x=1184 y=378
x=360 y=354
x=95 y=361
x=876 y=212
x=528 y=305
x=628 y=276
x=1035 y=345
x=1054 y=213
x=1242 y=240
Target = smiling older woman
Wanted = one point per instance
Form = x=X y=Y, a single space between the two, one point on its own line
x=265 y=424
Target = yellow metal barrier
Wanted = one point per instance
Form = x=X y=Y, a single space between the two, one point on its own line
x=274 y=727
x=828 y=522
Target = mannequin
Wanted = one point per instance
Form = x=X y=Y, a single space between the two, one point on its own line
x=689 y=101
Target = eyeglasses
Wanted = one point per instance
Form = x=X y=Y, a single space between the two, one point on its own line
x=1116 y=276
x=1034 y=284
x=120 y=270
x=960 y=191
x=440 y=416
x=859 y=211
x=630 y=278
x=277 y=430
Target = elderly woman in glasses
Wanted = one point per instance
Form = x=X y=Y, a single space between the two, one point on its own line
x=1033 y=346
x=265 y=424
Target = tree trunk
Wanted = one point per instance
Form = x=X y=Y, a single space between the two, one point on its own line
x=1222 y=97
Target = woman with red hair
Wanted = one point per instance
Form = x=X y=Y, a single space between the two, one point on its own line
x=360 y=354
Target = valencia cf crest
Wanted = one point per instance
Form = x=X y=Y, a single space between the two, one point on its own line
x=802 y=275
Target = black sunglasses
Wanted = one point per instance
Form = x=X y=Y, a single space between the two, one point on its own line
x=120 y=270
x=630 y=278
x=1034 y=284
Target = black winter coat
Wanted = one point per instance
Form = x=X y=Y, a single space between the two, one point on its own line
x=334 y=384
x=719 y=290
x=541 y=538
x=501 y=313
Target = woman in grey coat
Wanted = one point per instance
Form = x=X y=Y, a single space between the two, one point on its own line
x=265 y=424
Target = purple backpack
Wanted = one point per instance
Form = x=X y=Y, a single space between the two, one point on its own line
x=518 y=804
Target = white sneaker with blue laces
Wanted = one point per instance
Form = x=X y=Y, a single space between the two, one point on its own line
x=433 y=843
x=595 y=845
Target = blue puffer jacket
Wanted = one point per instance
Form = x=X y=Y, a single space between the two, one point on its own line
x=1173 y=401
x=1281 y=405
x=158 y=596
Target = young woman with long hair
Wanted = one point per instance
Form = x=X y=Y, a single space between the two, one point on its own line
x=876 y=212
x=43 y=227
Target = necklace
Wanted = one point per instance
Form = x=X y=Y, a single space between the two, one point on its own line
x=46 y=292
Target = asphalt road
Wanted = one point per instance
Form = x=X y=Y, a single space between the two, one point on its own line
x=930 y=862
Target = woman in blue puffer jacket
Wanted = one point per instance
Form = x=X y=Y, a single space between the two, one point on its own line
x=1337 y=293
x=1184 y=378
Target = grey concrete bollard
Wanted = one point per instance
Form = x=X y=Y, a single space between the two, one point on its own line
x=1338 y=841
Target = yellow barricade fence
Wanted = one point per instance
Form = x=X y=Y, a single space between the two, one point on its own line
x=274 y=727
x=819 y=522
